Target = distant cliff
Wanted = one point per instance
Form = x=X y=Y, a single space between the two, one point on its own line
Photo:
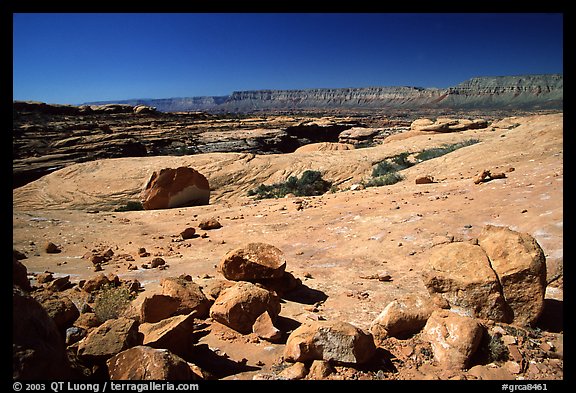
x=526 y=92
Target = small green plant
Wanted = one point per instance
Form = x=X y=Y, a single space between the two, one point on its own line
x=385 y=172
x=111 y=302
x=384 y=180
x=497 y=350
x=434 y=152
x=130 y=206
x=309 y=184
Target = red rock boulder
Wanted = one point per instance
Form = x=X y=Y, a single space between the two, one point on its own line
x=145 y=363
x=178 y=187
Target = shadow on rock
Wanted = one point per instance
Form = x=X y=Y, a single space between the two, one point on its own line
x=552 y=317
x=306 y=295
x=217 y=366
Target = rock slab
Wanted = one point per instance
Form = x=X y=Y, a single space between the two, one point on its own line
x=253 y=262
x=180 y=187
x=334 y=341
x=145 y=363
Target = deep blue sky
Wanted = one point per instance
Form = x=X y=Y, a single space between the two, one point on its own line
x=74 y=58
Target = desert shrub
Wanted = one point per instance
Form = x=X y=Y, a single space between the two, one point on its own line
x=309 y=184
x=130 y=206
x=111 y=302
x=491 y=349
x=385 y=172
x=391 y=165
x=384 y=180
x=434 y=152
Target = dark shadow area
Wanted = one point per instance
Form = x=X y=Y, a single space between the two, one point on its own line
x=217 y=366
x=286 y=326
x=306 y=295
x=382 y=360
x=552 y=317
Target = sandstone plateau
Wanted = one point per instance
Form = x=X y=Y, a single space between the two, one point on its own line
x=345 y=290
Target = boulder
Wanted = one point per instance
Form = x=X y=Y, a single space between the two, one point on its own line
x=502 y=277
x=319 y=369
x=294 y=371
x=189 y=295
x=520 y=265
x=59 y=307
x=145 y=363
x=51 y=248
x=178 y=187
x=110 y=338
x=454 y=338
x=460 y=275
x=38 y=350
x=239 y=306
x=333 y=341
x=20 y=275
x=188 y=233
x=209 y=223
x=157 y=307
x=264 y=328
x=174 y=334
x=253 y=262
x=402 y=317
x=95 y=283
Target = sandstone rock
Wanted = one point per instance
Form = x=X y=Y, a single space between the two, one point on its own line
x=95 y=283
x=459 y=273
x=487 y=175
x=188 y=233
x=357 y=135
x=402 y=317
x=156 y=262
x=454 y=338
x=59 y=307
x=20 y=275
x=188 y=293
x=110 y=338
x=319 y=369
x=38 y=350
x=253 y=262
x=174 y=334
x=157 y=307
x=443 y=124
x=51 y=248
x=324 y=146
x=145 y=363
x=59 y=284
x=491 y=372
x=520 y=265
x=239 y=306
x=419 y=124
x=178 y=187
x=295 y=371
x=424 y=179
x=334 y=341
x=87 y=320
x=210 y=223
x=144 y=110
x=264 y=328
x=43 y=278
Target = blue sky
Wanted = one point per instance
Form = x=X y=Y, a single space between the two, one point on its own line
x=72 y=58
